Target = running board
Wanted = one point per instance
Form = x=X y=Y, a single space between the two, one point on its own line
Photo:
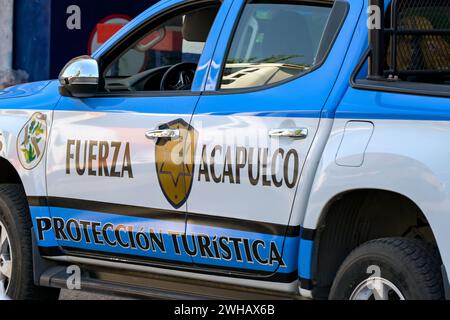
x=58 y=278
x=148 y=286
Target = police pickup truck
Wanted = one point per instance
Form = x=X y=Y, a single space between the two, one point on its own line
x=237 y=149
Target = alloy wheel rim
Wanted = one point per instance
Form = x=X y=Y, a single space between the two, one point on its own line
x=5 y=260
x=376 y=288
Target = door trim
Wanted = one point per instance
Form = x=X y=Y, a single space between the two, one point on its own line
x=163 y=214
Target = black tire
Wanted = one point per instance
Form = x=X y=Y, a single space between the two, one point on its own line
x=15 y=217
x=413 y=266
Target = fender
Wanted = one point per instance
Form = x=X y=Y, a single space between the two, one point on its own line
x=403 y=156
x=27 y=103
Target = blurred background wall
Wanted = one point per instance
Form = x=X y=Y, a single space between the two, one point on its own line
x=6 y=38
x=38 y=37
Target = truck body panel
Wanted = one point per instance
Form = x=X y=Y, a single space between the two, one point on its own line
x=92 y=176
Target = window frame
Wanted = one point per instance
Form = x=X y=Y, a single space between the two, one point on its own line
x=338 y=16
x=108 y=57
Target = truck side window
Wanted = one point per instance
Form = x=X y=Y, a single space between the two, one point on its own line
x=274 y=41
x=142 y=65
x=416 y=47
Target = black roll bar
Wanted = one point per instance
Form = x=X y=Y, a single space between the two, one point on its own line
x=376 y=45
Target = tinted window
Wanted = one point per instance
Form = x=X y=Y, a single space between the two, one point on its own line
x=274 y=42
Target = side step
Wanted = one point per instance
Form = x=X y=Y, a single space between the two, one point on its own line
x=57 y=277
x=148 y=286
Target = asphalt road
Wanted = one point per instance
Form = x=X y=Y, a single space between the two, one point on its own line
x=81 y=295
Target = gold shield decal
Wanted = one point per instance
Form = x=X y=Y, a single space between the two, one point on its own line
x=175 y=162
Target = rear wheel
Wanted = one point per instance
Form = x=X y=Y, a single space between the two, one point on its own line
x=16 y=255
x=390 y=269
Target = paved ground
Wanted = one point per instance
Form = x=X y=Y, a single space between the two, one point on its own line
x=80 y=295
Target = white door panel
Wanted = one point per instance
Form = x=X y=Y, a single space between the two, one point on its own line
x=252 y=191
x=118 y=131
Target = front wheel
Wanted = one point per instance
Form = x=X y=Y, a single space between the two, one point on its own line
x=16 y=259
x=390 y=269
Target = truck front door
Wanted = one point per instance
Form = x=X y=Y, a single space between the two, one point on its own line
x=117 y=181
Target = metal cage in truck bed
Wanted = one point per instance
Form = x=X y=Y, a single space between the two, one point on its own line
x=414 y=40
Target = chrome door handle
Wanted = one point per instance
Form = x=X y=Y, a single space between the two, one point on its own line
x=295 y=133
x=163 y=133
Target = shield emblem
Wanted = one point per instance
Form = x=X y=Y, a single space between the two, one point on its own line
x=175 y=162
x=32 y=141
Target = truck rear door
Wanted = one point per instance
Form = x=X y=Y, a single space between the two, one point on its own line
x=273 y=69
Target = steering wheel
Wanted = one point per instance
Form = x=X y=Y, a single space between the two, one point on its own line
x=179 y=77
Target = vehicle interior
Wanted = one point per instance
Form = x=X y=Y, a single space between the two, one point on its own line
x=166 y=58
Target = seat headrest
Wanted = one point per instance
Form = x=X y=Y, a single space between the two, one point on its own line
x=197 y=24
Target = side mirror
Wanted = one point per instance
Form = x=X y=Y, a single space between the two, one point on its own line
x=79 y=78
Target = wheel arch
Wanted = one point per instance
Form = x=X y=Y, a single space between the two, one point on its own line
x=9 y=173
x=353 y=217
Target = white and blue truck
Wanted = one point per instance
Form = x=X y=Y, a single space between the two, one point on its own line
x=237 y=149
